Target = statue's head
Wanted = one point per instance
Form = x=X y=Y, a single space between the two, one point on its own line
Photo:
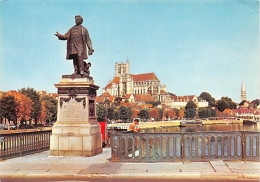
x=78 y=19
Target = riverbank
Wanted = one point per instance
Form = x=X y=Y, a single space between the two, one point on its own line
x=177 y=123
x=25 y=130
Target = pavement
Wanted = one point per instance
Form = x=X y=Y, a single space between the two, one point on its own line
x=42 y=167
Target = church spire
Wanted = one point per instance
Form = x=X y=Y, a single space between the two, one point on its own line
x=243 y=92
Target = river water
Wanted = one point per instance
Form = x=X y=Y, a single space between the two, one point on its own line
x=214 y=127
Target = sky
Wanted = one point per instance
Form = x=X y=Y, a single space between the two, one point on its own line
x=191 y=46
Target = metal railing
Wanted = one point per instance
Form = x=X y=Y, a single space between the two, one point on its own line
x=199 y=146
x=19 y=144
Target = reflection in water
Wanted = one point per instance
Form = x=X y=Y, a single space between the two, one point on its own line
x=214 y=127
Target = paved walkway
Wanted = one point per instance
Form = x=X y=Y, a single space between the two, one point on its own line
x=42 y=167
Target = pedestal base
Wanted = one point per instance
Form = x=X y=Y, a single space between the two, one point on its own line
x=76 y=132
x=75 y=139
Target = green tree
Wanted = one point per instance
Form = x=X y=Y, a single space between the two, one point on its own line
x=51 y=107
x=116 y=114
x=101 y=112
x=190 y=110
x=130 y=112
x=117 y=101
x=124 y=113
x=143 y=114
x=8 y=107
x=110 y=113
x=225 y=103
x=222 y=105
x=36 y=104
x=206 y=96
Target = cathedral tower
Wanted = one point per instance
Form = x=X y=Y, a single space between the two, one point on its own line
x=243 y=92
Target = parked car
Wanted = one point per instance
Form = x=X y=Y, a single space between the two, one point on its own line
x=3 y=127
x=13 y=127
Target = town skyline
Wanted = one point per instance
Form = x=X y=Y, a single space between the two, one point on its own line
x=191 y=47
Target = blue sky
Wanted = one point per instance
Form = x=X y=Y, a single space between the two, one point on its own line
x=192 y=46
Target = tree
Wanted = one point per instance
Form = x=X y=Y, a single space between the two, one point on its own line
x=43 y=115
x=206 y=96
x=154 y=113
x=101 y=112
x=124 y=113
x=225 y=103
x=177 y=111
x=50 y=104
x=190 y=110
x=117 y=101
x=181 y=114
x=202 y=112
x=23 y=106
x=116 y=114
x=135 y=113
x=8 y=107
x=36 y=104
x=130 y=112
x=255 y=103
x=110 y=113
x=143 y=114
x=160 y=114
x=222 y=105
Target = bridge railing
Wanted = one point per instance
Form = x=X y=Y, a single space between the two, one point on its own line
x=19 y=144
x=199 y=146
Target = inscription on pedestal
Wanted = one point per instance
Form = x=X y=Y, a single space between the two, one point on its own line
x=72 y=109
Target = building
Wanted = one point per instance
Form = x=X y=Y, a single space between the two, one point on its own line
x=125 y=83
x=243 y=92
x=181 y=101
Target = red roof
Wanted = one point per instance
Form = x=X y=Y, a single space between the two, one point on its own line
x=144 y=98
x=106 y=94
x=115 y=80
x=244 y=111
x=144 y=77
x=127 y=96
x=99 y=99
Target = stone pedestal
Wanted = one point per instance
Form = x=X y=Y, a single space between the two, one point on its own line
x=76 y=132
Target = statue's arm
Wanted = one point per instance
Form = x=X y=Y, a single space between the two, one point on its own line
x=62 y=37
x=89 y=43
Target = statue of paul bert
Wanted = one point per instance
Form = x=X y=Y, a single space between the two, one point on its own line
x=77 y=42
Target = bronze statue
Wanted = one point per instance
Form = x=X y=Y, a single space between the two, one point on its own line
x=77 y=39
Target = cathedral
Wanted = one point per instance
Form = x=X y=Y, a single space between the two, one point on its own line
x=125 y=83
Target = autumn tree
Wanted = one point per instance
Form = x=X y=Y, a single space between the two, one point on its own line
x=154 y=113
x=23 y=107
x=42 y=118
x=161 y=114
x=135 y=113
x=36 y=104
x=177 y=111
x=181 y=113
